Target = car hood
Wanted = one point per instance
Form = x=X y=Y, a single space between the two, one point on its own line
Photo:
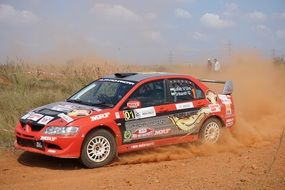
x=65 y=112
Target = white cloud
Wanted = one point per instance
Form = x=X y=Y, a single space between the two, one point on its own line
x=9 y=14
x=150 y=16
x=279 y=15
x=280 y=34
x=231 y=9
x=181 y=13
x=113 y=12
x=153 y=35
x=198 y=36
x=257 y=16
x=263 y=29
x=214 y=21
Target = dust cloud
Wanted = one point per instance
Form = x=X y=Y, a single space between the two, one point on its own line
x=259 y=103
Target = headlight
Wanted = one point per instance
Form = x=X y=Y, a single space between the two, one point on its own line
x=60 y=130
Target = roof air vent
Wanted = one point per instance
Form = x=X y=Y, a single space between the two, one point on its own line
x=123 y=75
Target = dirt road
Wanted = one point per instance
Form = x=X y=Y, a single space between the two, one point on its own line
x=251 y=157
x=245 y=168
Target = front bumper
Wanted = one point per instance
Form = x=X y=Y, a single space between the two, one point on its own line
x=57 y=146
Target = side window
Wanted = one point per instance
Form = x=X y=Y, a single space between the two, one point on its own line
x=150 y=94
x=184 y=90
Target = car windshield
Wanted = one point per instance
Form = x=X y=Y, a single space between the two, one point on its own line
x=103 y=92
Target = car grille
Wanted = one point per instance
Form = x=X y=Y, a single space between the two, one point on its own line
x=32 y=144
x=26 y=142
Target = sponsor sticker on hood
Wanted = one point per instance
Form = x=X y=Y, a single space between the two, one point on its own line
x=35 y=116
x=79 y=112
x=65 y=117
x=63 y=108
x=27 y=115
x=45 y=120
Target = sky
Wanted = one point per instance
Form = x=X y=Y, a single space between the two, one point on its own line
x=143 y=32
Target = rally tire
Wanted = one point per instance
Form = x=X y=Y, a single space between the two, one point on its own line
x=98 y=149
x=211 y=131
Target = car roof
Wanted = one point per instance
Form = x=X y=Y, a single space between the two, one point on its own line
x=141 y=75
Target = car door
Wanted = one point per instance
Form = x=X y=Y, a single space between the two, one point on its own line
x=168 y=108
x=143 y=122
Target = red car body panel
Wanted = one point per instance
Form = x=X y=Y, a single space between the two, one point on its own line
x=70 y=146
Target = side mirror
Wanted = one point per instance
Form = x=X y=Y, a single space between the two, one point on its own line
x=133 y=104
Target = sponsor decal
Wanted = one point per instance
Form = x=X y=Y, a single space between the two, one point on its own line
x=222 y=96
x=47 y=138
x=181 y=91
x=227 y=102
x=191 y=122
x=118 y=81
x=144 y=112
x=63 y=108
x=143 y=132
x=139 y=113
x=39 y=144
x=27 y=115
x=152 y=123
x=176 y=124
x=65 y=117
x=147 y=128
x=79 y=112
x=162 y=132
x=45 y=120
x=212 y=97
x=149 y=132
x=229 y=122
x=133 y=104
x=225 y=99
x=214 y=108
x=35 y=116
x=228 y=109
x=185 y=105
x=100 y=116
x=117 y=115
x=127 y=134
x=143 y=145
x=129 y=115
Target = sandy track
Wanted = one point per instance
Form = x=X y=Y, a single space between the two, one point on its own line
x=246 y=168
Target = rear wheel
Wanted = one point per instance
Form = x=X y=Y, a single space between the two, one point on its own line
x=211 y=131
x=98 y=149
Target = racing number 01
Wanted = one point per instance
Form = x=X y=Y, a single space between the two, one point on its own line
x=129 y=115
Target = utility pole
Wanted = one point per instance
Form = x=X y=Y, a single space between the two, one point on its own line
x=273 y=53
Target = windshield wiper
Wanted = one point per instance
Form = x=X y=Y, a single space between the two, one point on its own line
x=75 y=101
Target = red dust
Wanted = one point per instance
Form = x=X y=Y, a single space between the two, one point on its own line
x=260 y=106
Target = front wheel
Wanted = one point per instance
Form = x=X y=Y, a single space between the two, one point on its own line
x=98 y=149
x=211 y=131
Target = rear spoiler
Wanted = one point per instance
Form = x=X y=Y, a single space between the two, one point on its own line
x=228 y=85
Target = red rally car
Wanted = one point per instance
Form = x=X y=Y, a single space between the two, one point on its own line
x=127 y=112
